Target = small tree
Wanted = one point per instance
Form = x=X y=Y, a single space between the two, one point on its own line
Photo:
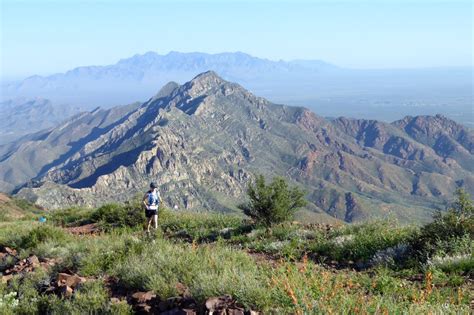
x=273 y=203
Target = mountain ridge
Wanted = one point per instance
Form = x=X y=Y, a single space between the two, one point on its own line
x=204 y=140
x=146 y=68
x=325 y=88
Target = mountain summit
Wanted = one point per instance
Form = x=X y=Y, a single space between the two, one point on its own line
x=204 y=141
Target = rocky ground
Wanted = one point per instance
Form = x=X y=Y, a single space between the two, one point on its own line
x=65 y=283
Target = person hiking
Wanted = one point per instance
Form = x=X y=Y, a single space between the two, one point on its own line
x=152 y=200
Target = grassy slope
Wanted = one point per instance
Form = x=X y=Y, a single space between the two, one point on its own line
x=286 y=271
x=13 y=208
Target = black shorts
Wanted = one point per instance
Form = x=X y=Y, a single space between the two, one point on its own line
x=150 y=213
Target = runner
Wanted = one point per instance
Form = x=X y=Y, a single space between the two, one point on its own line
x=152 y=200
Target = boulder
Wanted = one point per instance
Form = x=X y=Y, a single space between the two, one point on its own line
x=218 y=303
x=10 y=251
x=143 y=296
x=72 y=281
x=33 y=261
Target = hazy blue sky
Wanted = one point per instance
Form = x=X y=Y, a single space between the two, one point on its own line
x=42 y=37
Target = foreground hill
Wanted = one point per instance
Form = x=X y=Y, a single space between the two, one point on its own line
x=203 y=263
x=203 y=141
x=12 y=208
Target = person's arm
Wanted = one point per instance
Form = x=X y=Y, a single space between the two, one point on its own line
x=145 y=200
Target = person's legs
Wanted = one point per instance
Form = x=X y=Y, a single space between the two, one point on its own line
x=149 y=221
x=155 y=219
x=146 y=223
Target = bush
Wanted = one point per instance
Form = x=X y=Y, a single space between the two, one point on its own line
x=201 y=227
x=42 y=234
x=366 y=243
x=70 y=216
x=114 y=215
x=447 y=229
x=209 y=270
x=273 y=203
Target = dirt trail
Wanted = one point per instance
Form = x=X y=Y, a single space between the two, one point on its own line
x=88 y=229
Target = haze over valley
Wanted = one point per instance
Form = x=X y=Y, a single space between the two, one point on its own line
x=327 y=89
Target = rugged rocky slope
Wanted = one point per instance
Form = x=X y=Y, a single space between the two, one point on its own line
x=204 y=140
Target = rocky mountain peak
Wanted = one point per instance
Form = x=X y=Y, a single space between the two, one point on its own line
x=208 y=79
x=166 y=90
x=353 y=169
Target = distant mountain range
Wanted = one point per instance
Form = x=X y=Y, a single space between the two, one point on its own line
x=138 y=77
x=328 y=89
x=203 y=141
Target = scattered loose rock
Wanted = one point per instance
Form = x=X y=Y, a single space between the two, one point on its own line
x=223 y=305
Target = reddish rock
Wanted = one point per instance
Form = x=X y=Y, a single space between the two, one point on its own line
x=69 y=280
x=10 y=251
x=33 y=261
x=144 y=308
x=143 y=296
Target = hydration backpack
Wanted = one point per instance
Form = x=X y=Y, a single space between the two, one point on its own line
x=152 y=199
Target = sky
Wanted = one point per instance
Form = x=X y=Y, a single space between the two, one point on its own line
x=45 y=37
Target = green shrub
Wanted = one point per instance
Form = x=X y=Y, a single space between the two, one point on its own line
x=359 y=243
x=199 y=226
x=114 y=215
x=70 y=216
x=41 y=234
x=446 y=230
x=8 y=303
x=90 y=298
x=273 y=203
x=208 y=270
